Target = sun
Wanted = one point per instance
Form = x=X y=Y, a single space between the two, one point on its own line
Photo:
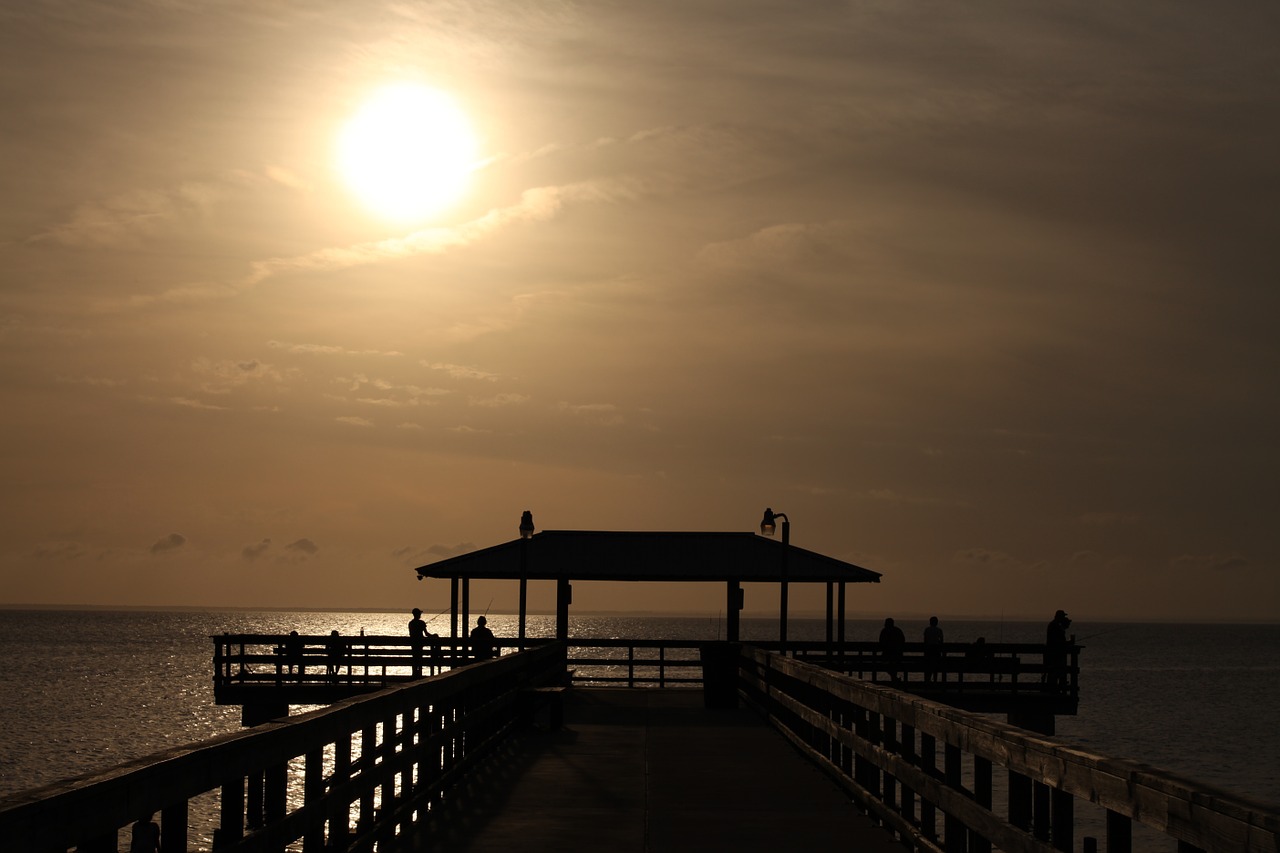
x=407 y=153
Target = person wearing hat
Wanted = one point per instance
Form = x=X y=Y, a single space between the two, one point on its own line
x=1055 y=650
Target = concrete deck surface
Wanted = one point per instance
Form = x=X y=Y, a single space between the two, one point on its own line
x=653 y=770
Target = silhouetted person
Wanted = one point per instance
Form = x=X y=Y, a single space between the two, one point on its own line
x=333 y=652
x=483 y=644
x=933 y=651
x=1055 y=650
x=293 y=648
x=146 y=836
x=419 y=635
x=978 y=658
x=892 y=644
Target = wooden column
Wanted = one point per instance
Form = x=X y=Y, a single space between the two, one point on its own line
x=466 y=608
x=453 y=609
x=831 y=589
x=564 y=597
x=840 y=612
x=733 y=610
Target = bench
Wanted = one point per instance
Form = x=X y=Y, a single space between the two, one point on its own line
x=532 y=700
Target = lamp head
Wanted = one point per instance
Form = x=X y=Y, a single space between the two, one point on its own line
x=768 y=524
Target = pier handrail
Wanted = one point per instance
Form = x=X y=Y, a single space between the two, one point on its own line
x=370 y=662
x=390 y=757
x=881 y=744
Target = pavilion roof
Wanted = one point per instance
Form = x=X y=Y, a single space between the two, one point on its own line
x=605 y=555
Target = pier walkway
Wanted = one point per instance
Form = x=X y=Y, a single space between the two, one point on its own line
x=652 y=769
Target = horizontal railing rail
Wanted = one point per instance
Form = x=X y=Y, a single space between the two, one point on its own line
x=374 y=769
x=883 y=745
x=372 y=662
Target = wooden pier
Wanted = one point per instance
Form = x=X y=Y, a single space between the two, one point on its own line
x=445 y=761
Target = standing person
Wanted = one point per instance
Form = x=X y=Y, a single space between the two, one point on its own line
x=1055 y=650
x=418 y=635
x=892 y=644
x=483 y=644
x=293 y=648
x=146 y=836
x=933 y=651
x=333 y=649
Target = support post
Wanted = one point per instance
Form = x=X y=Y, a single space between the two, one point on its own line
x=564 y=596
x=733 y=610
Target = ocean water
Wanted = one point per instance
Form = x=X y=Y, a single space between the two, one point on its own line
x=85 y=690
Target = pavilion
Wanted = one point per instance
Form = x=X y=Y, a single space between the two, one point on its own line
x=565 y=556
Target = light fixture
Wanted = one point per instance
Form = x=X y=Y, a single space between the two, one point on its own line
x=526 y=525
x=768 y=524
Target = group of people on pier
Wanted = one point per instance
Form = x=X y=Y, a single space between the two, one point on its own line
x=893 y=644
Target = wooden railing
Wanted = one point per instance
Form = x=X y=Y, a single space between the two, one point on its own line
x=244 y=662
x=374 y=769
x=883 y=746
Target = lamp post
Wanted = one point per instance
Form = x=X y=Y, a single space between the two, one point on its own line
x=526 y=533
x=768 y=525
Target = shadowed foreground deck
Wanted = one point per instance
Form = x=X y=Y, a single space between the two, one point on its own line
x=652 y=770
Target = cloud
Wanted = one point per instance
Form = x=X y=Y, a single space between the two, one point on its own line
x=196 y=404
x=414 y=556
x=460 y=371
x=498 y=401
x=354 y=421
x=222 y=376
x=327 y=349
x=303 y=546
x=172 y=542
x=1209 y=562
x=604 y=414
x=535 y=205
x=60 y=550
x=982 y=557
x=130 y=216
x=253 y=552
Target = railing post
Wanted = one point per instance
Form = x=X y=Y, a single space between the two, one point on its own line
x=929 y=766
x=312 y=792
x=340 y=815
x=368 y=760
x=1020 y=801
x=1041 y=817
x=1064 y=806
x=982 y=778
x=956 y=833
x=1119 y=833
x=909 y=755
x=254 y=813
x=230 y=813
x=173 y=828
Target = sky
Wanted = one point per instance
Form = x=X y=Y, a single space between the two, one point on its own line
x=983 y=296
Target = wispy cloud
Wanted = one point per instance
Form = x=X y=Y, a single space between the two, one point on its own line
x=461 y=371
x=172 y=542
x=130 y=216
x=538 y=204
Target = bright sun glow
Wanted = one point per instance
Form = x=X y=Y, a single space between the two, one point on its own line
x=408 y=152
